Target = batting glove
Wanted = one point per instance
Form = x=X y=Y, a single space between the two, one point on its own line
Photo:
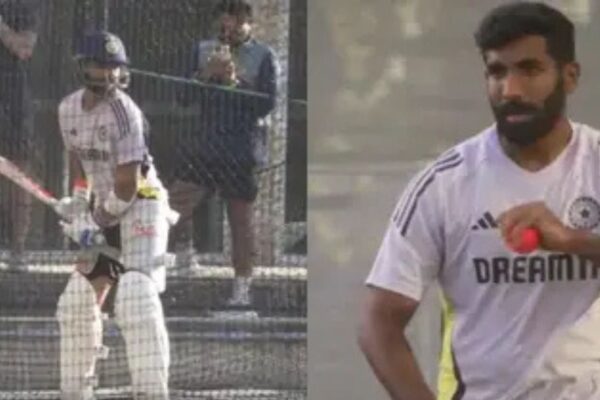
x=84 y=231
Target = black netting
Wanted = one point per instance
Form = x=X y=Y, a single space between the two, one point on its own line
x=244 y=160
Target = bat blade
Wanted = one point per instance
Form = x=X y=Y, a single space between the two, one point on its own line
x=11 y=171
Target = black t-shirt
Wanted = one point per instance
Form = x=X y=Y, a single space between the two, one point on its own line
x=19 y=15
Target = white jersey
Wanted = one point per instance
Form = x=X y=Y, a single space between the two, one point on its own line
x=111 y=134
x=512 y=321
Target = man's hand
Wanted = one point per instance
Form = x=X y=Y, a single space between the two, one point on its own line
x=83 y=231
x=20 y=44
x=554 y=235
x=220 y=69
x=383 y=341
x=69 y=207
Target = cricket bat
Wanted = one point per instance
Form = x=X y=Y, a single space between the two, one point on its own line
x=11 y=171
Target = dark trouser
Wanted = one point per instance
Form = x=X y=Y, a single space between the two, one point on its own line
x=231 y=174
x=16 y=144
x=16 y=114
x=185 y=196
x=106 y=266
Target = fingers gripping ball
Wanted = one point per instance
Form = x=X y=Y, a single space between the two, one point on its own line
x=528 y=242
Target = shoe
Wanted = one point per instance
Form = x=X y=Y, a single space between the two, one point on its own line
x=238 y=306
x=240 y=296
x=241 y=300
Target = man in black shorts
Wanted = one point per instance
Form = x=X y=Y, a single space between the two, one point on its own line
x=225 y=149
x=18 y=26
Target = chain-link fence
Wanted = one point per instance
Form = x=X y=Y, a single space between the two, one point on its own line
x=215 y=352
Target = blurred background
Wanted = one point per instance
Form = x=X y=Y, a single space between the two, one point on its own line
x=392 y=84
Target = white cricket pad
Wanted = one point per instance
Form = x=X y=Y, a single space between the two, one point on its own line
x=139 y=314
x=80 y=324
x=144 y=239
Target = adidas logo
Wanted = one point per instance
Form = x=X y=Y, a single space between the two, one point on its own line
x=485 y=222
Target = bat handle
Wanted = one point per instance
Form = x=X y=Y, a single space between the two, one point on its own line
x=54 y=204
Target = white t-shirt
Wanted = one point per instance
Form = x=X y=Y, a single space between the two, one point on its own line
x=111 y=134
x=509 y=317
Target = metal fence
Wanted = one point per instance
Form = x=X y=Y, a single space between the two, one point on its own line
x=213 y=356
x=158 y=36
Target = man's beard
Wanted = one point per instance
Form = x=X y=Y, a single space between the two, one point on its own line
x=234 y=38
x=100 y=91
x=541 y=120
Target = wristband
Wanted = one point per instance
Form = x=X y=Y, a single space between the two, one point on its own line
x=81 y=189
x=115 y=206
x=80 y=184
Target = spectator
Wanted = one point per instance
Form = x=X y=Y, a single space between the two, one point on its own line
x=18 y=36
x=231 y=132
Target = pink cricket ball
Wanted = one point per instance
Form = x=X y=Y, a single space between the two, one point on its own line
x=530 y=241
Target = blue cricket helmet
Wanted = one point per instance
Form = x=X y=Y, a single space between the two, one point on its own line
x=102 y=47
x=106 y=50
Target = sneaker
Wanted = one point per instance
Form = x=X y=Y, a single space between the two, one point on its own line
x=238 y=308
x=240 y=296
x=239 y=305
x=239 y=300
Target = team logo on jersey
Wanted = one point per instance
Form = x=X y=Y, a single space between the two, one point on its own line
x=88 y=154
x=487 y=221
x=112 y=46
x=102 y=133
x=584 y=213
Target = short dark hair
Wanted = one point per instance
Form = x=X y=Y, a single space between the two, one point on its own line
x=233 y=7
x=510 y=22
